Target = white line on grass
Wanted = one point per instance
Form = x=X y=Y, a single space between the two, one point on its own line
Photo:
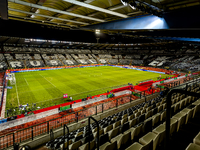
x=47 y=80
x=17 y=91
x=26 y=81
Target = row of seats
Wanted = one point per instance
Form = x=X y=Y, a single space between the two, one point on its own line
x=138 y=120
x=122 y=121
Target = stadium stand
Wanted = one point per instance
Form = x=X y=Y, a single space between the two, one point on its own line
x=143 y=122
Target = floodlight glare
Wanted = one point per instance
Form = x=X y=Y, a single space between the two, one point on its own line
x=97 y=31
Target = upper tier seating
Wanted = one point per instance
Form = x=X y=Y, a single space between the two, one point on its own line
x=68 y=56
x=125 y=61
x=105 y=56
x=53 y=63
x=82 y=56
x=35 y=64
x=60 y=56
x=16 y=64
x=82 y=61
x=8 y=56
x=113 y=61
x=3 y=65
x=37 y=56
x=23 y=56
x=44 y=56
x=70 y=62
x=2 y=57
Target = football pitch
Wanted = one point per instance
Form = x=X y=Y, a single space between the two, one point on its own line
x=46 y=88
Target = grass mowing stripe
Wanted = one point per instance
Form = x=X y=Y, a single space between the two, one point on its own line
x=47 y=80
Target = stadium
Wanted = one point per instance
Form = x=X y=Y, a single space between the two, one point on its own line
x=99 y=74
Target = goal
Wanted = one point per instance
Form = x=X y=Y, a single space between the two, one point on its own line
x=11 y=77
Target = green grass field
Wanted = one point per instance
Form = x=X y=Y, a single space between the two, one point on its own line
x=46 y=88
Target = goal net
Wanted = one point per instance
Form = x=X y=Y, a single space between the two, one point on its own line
x=11 y=77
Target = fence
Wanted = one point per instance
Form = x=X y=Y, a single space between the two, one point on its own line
x=31 y=132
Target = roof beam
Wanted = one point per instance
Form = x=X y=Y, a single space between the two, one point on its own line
x=150 y=2
x=96 y=8
x=55 y=10
x=30 y=13
x=26 y=19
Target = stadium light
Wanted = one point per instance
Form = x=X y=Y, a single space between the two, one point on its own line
x=97 y=31
x=133 y=5
x=125 y=2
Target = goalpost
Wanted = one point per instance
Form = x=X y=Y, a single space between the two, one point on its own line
x=11 y=77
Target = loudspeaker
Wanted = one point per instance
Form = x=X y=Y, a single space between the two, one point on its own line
x=4 y=9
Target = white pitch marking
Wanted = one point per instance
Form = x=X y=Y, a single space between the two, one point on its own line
x=26 y=82
x=47 y=80
x=17 y=91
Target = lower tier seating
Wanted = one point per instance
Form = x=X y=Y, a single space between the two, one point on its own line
x=138 y=127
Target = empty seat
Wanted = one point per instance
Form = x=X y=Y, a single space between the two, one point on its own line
x=147 y=126
x=75 y=145
x=141 y=118
x=122 y=139
x=109 y=146
x=86 y=146
x=176 y=107
x=103 y=139
x=150 y=136
x=160 y=130
x=133 y=122
x=173 y=125
x=189 y=113
x=148 y=114
x=108 y=128
x=138 y=129
x=79 y=133
x=88 y=138
x=100 y=133
x=163 y=116
x=124 y=120
x=155 y=111
x=155 y=119
x=124 y=116
x=116 y=124
x=193 y=146
x=77 y=138
x=113 y=133
x=196 y=140
x=160 y=108
x=143 y=111
x=65 y=144
x=131 y=117
x=124 y=127
x=138 y=146
x=137 y=114
x=181 y=118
